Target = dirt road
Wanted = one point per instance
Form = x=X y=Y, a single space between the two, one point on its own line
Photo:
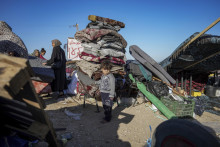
x=129 y=125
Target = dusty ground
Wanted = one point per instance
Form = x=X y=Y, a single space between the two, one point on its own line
x=129 y=125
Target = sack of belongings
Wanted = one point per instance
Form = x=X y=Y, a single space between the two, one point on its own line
x=157 y=88
x=199 y=105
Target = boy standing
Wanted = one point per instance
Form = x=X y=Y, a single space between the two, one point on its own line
x=107 y=90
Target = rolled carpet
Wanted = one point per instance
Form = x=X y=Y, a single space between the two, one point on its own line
x=150 y=64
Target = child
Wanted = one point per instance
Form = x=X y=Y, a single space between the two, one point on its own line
x=107 y=90
x=42 y=53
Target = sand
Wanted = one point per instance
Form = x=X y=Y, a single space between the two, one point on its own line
x=129 y=125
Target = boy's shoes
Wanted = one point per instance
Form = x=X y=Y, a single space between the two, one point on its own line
x=104 y=121
x=61 y=94
x=55 y=95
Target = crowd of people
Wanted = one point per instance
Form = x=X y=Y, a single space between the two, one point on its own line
x=57 y=63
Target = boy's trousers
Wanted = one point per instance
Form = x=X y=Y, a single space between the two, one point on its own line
x=107 y=105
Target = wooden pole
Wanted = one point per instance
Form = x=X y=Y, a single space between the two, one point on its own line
x=177 y=82
x=182 y=80
x=185 y=79
x=190 y=85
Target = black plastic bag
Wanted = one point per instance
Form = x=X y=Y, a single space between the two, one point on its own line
x=157 y=88
x=199 y=105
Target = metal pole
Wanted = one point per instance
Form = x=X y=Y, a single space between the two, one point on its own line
x=177 y=82
x=190 y=85
x=185 y=82
x=84 y=103
x=97 y=105
x=181 y=80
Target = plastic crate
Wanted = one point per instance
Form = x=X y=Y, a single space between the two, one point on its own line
x=180 y=109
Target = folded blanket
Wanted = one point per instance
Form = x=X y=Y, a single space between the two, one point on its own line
x=110 y=38
x=113 y=44
x=41 y=87
x=90 y=57
x=115 y=50
x=106 y=20
x=103 y=52
x=85 y=79
x=102 y=25
x=87 y=67
x=112 y=53
x=91 y=45
x=89 y=35
x=93 y=51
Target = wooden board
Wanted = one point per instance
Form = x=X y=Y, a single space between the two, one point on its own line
x=21 y=108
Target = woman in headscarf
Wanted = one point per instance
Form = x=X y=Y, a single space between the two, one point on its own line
x=58 y=55
x=36 y=53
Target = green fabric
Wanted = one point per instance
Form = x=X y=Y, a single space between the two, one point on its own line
x=153 y=99
x=131 y=77
x=147 y=76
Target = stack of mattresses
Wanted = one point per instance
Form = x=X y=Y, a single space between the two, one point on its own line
x=101 y=41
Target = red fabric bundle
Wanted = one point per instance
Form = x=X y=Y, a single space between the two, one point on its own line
x=41 y=88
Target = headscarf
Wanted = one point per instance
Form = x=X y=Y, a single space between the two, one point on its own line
x=36 y=50
x=56 y=42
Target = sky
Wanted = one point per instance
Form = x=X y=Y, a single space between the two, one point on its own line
x=156 y=26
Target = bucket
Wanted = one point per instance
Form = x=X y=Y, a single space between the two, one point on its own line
x=212 y=91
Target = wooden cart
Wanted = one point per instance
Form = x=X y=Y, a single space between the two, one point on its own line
x=21 y=110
